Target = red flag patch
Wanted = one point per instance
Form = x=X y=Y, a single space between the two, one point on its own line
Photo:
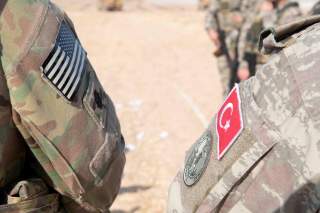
x=229 y=123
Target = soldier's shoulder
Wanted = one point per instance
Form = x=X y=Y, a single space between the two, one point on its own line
x=303 y=31
x=20 y=20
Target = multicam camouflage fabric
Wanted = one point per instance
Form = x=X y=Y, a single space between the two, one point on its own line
x=273 y=165
x=76 y=143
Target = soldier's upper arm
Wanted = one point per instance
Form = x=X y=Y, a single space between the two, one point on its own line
x=210 y=22
x=60 y=102
x=290 y=15
x=273 y=152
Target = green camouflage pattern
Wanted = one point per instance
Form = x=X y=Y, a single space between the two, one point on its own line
x=227 y=11
x=285 y=13
x=78 y=143
x=273 y=165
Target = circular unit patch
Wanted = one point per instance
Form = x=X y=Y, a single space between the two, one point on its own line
x=197 y=160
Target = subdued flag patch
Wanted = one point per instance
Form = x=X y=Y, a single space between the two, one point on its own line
x=65 y=64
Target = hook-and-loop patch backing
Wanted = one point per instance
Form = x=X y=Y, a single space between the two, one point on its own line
x=66 y=62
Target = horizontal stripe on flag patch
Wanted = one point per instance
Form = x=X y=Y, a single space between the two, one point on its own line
x=65 y=64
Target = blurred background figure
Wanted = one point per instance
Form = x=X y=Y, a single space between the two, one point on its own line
x=315 y=9
x=270 y=13
x=286 y=11
x=223 y=23
x=251 y=8
x=110 y=5
x=203 y=4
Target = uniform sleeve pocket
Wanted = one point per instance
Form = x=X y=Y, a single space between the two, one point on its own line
x=96 y=101
x=111 y=148
x=100 y=108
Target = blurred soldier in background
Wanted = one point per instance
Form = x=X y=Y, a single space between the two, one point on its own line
x=61 y=148
x=315 y=9
x=261 y=151
x=223 y=22
x=251 y=30
x=286 y=11
x=111 y=5
x=203 y=4
x=271 y=13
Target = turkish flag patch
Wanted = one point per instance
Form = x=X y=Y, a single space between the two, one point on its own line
x=229 y=123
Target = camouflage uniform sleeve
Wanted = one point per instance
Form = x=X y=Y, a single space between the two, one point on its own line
x=210 y=22
x=12 y=150
x=271 y=160
x=61 y=109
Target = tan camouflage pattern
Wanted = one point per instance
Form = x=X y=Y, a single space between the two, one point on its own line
x=110 y=4
x=274 y=164
x=78 y=145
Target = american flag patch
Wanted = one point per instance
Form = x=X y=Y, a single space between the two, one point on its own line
x=65 y=63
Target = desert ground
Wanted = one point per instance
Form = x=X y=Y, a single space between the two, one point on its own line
x=157 y=66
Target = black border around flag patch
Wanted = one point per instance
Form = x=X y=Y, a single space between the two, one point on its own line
x=65 y=63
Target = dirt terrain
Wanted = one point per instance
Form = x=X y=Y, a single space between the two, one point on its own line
x=156 y=65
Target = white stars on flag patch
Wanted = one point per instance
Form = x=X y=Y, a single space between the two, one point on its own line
x=66 y=62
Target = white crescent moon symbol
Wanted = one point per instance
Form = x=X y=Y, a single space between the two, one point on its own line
x=228 y=106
